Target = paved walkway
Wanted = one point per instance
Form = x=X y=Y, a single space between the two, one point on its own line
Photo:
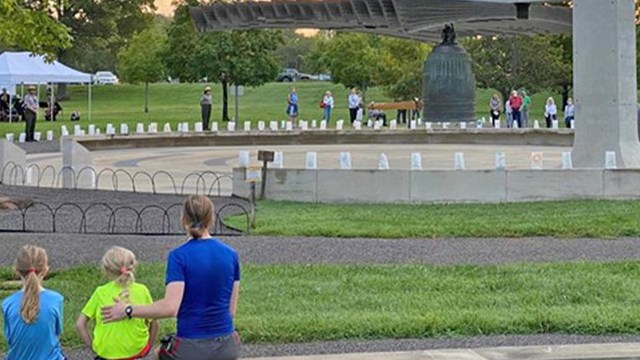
x=566 y=352
x=66 y=250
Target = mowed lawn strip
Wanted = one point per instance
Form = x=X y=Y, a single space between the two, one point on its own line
x=301 y=303
x=566 y=219
x=176 y=103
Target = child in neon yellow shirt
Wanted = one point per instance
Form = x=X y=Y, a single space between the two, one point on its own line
x=125 y=339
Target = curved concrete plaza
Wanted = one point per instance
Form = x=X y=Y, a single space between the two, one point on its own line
x=179 y=162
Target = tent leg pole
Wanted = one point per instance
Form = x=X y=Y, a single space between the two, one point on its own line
x=52 y=104
x=90 y=98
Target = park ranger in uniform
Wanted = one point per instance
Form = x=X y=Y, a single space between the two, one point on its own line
x=31 y=106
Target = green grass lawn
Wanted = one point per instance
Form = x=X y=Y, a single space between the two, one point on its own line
x=176 y=103
x=567 y=219
x=322 y=302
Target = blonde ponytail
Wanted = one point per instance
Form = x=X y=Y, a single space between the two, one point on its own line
x=31 y=265
x=118 y=265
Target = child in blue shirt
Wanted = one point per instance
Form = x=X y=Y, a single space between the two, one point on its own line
x=33 y=315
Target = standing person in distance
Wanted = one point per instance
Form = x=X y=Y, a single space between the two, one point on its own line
x=354 y=104
x=515 y=101
x=33 y=316
x=205 y=108
x=508 y=112
x=292 y=106
x=550 y=112
x=526 y=106
x=203 y=284
x=31 y=106
x=569 y=113
x=327 y=104
x=494 y=109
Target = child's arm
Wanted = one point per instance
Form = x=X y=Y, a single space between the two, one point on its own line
x=153 y=331
x=82 y=327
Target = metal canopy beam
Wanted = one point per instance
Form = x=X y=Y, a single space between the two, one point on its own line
x=414 y=19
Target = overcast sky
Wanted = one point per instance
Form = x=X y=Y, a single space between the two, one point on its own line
x=164 y=7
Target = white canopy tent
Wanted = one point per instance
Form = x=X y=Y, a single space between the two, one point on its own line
x=24 y=68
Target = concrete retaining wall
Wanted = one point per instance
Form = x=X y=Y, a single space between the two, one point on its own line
x=404 y=186
x=531 y=137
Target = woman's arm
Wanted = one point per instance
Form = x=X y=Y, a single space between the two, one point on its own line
x=233 y=306
x=164 y=308
x=82 y=327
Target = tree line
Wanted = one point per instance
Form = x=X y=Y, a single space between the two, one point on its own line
x=127 y=37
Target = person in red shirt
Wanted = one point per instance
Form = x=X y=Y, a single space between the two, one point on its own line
x=516 y=107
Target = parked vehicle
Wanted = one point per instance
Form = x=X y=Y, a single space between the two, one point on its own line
x=289 y=75
x=306 y=77
x=105 y=78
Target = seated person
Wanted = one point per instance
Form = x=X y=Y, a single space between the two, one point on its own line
x=48 y=110
x=377 y=114
x=17 y=109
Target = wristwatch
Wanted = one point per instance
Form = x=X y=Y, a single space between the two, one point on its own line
x=128 y=311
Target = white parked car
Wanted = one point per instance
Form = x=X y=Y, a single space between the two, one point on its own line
x=105 y=78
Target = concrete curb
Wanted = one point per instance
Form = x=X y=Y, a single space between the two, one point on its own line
x=533 y=137
x=628 y=351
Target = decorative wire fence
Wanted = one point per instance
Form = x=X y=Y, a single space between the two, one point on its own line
x=103 y=218
x=206 y=183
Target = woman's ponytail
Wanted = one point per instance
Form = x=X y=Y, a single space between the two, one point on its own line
x=197 y=216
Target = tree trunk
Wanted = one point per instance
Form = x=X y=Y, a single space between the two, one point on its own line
x=515 y=63
x=225 y=99
x=364 y=101
x=565 y=94
x=146 y=97
x=62 y=92
x=506 y=93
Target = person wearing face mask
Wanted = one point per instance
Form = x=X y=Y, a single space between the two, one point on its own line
x=569 y=113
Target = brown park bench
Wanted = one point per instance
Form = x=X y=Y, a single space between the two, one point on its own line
x=403 y=105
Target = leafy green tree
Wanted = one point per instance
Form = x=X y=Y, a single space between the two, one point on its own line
x=237 y=57
x=562 y=80
x=100 y=29
x=31 y=29
x=507 y=63
x=352 y=58
x=141 y=60
x=293 y=50
x=181 y=44
x=401 y=73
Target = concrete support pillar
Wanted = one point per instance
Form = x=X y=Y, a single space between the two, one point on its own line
x=604 y=42
x=13 y=163
x=77 y=162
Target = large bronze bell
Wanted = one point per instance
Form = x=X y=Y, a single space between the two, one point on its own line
x=449 y=83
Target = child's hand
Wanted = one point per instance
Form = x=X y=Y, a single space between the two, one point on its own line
x=114 y=312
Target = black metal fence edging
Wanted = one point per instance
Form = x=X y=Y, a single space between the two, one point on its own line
x=14 y=174
x=81 y=216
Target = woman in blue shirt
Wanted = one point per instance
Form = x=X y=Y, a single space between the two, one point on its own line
x=292 y=107
x=33 y=315
x=202 y=286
